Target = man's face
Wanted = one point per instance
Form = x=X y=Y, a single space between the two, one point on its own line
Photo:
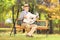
x=26 y=8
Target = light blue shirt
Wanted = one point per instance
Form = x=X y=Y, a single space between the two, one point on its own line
x=21 y=16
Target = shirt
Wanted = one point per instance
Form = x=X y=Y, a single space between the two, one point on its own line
x=31 y=18
x=21 y=16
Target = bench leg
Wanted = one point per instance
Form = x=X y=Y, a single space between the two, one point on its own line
x=47 y=32
x=38 y=31
x=23 y=30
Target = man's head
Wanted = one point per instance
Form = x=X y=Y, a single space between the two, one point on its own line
x=26 y=7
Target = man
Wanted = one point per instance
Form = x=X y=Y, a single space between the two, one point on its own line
x=23 y=16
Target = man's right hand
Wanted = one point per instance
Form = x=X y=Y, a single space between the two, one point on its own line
x=25 y=16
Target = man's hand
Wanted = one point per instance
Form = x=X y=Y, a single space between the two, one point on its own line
x=25 y=16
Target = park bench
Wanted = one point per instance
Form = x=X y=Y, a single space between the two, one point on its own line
x=42 y=25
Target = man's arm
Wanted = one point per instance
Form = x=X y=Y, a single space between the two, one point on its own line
x=22 y=16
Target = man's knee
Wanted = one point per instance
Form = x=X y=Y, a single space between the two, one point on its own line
x=34 y=26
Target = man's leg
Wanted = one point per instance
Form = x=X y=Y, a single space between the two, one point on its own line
x=32 y=30
x=26 y=26
x=23 y=25
x=28 y=29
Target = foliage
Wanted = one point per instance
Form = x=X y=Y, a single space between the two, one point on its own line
x=5 y=7
x=52 y=11
x=5 y=4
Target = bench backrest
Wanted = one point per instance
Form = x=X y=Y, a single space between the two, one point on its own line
x=42 y=23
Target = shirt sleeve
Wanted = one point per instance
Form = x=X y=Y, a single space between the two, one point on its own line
x=21 y=15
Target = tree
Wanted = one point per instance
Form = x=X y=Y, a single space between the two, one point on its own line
x=5 y=7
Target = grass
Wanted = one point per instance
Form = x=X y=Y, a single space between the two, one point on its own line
x=4 y=35
x=21 y=36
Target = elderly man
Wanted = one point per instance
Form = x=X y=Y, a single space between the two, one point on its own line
x=26 y=22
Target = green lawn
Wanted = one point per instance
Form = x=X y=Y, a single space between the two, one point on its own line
x=21 y=36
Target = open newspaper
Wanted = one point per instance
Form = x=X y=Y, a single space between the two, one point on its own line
x=31 y=18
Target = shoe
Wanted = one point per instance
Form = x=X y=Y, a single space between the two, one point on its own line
x=29 y=36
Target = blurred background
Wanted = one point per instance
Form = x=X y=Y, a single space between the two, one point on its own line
x=47 y=9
